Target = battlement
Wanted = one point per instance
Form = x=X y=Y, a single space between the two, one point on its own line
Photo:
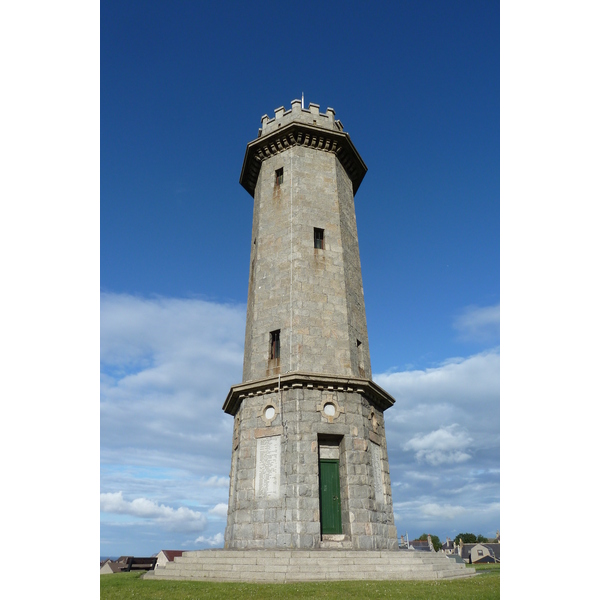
x=309 y=116
x=301 y=127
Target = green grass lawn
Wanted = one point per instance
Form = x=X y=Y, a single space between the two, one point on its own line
x=486 y=585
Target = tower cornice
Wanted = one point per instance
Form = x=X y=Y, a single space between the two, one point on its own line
x=336 y=383
x=301 y=134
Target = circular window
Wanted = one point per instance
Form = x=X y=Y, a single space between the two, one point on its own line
x=329 y=409
x=269 y=413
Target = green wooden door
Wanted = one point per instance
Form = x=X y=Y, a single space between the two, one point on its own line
x=331 y=506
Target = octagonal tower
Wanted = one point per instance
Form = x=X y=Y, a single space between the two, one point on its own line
x=309 y=458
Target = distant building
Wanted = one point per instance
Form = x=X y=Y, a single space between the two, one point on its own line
x=165 y=556
x=481 y=553
x=422 y=545
x=110 y=566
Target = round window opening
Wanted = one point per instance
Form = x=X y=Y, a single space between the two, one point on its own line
x=269 y=413
x=329 y=409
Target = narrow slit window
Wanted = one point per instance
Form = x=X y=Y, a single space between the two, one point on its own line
x=274 y=345
x=319 y=238
x=279 y=176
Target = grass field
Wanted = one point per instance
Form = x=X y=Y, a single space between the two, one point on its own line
x=486 y=586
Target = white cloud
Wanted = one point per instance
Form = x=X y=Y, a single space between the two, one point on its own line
x=445 y=445
x=446 y=511
x=167 y=365
x=462 y=382
x=479 y=324
x=175 y=519
x=215 y=540
x=215 y=481
x=443 y=437
x=220 y=510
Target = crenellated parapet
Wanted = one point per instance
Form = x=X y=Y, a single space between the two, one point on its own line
x=310 y=116
x=306 y=127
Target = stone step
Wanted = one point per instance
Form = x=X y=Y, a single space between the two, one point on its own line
x=341 y=557
x=309 y=565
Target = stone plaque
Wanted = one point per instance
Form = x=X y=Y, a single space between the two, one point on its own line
x=268 y=467
x=377 y=472
x=233 y=476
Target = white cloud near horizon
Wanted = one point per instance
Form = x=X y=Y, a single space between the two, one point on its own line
x=443 y=437
x=215 y=540
x=166 y=367
x=479 y=324
x=174 y=519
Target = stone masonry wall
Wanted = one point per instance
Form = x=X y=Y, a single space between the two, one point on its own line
x=292 y=520
x=355 y=301
x=325 y=305
x=314 y=298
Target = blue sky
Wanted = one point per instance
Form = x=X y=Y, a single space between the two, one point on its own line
x=183 y=88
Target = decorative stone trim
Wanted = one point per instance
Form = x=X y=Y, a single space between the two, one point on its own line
x=376 y=439
x=268 y=413
x=330 y=408
x=367 y=388
x=236 y=431
x=374 y=421
x=261 y=432
x=301 y=134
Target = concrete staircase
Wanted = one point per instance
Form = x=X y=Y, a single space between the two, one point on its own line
x=280 y=566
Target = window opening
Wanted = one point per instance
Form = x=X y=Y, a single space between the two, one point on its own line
x=279 y=176
x=274 y=344
x=319 y=238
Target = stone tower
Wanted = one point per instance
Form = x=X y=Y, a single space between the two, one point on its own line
x=309 y=462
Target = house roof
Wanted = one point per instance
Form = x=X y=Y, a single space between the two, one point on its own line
x=115 y=567
x=485 y=559
x=493 y=547
x=172 y=554
x=421 y=545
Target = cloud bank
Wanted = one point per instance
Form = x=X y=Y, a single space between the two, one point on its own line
x=179 y=519
x=443 y=437
x=166 y=367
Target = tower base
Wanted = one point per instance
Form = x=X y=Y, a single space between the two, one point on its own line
x=309 y=465
x=283 y=566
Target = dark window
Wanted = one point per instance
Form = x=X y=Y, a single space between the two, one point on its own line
x=358 y=343
x=319 y=238
x=274 y=346
x=279 y=176
x=479 y=552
